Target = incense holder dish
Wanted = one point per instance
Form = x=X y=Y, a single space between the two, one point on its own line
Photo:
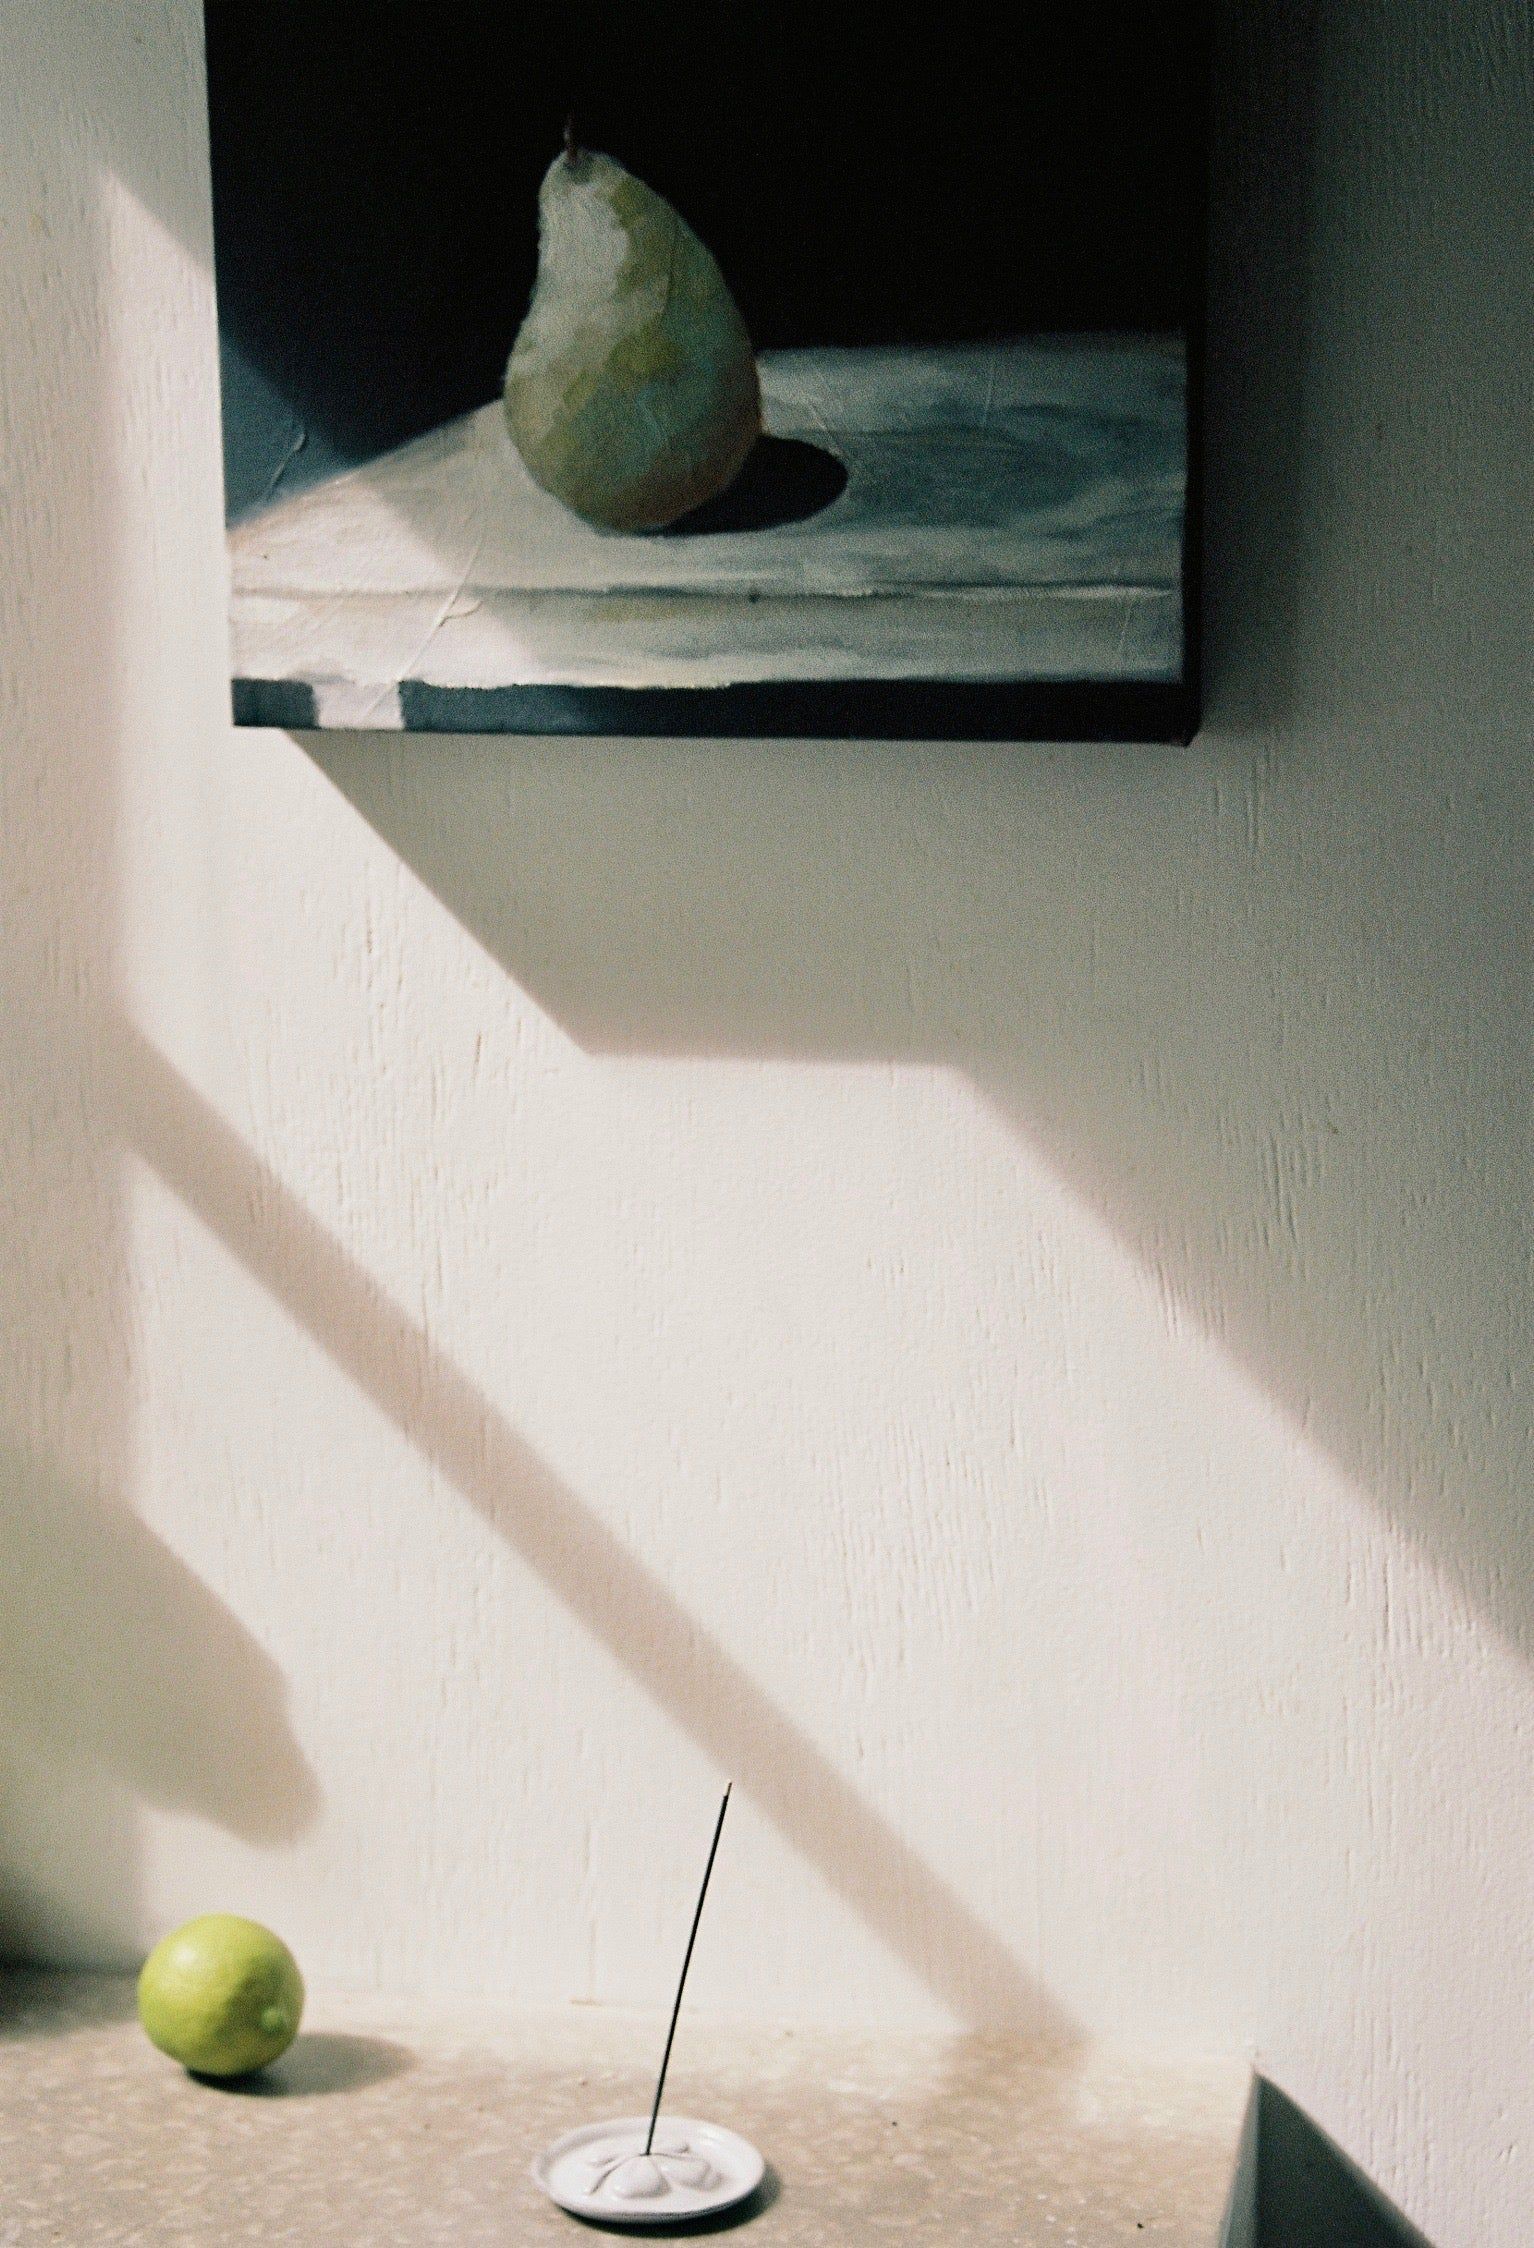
x=601 y=2170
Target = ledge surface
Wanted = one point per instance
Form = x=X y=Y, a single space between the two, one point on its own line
x=405 y=2126
x=1010 y=513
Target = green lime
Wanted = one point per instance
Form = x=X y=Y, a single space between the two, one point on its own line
x=222 y=1995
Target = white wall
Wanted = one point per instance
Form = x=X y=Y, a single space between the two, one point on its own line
x=981 y=1291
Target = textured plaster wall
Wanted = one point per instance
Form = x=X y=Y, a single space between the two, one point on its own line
x=982 y=1292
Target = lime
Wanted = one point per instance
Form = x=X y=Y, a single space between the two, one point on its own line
x=222 y=1995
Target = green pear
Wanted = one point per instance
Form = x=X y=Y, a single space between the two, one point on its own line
x=631 y=391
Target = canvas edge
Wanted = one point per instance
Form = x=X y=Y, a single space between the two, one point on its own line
x=1150 y=712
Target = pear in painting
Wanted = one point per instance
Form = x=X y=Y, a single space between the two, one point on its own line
x=631 y=391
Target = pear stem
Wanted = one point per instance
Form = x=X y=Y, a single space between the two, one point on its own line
x=572 y=145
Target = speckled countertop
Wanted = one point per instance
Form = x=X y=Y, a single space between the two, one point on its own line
x=393 y=2125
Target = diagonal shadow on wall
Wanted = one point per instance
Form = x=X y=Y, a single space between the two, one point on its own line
x=395 y=1363
x=114 y=1655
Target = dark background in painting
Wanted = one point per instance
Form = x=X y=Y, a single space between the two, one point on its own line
x=888 y=176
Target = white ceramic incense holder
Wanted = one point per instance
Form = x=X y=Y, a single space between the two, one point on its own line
x=650 y=2169
x=692 y=2170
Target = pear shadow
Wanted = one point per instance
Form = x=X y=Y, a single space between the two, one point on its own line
x=785 y=480
x=690 y=2228
x=320 y=2062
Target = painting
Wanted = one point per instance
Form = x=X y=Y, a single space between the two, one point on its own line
x=710 y=368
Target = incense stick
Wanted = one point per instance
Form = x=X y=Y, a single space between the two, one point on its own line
x=686 y=1963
